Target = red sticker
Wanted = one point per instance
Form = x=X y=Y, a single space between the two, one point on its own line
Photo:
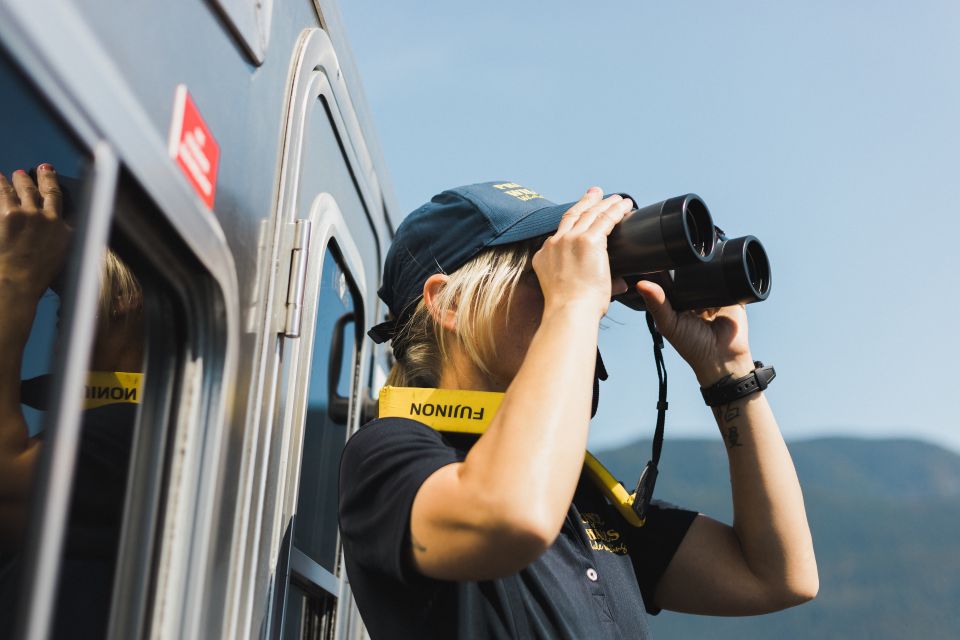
x=194 y=147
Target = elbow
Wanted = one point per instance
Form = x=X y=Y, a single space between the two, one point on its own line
x=801 y=593
x=808 y=588
x=530 y=531
x=806 y=580
x=526 y=545
x=516 y=537
x=539 y=533
x=513 y=528
x=799 y=588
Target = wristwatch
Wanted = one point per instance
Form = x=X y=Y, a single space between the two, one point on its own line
x=726 y=391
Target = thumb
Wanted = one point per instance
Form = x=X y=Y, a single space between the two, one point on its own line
x=656 y=302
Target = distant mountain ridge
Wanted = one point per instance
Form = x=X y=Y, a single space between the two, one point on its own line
x=885 y=516
x=895 y=468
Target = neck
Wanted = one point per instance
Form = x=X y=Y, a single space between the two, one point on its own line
x=459 y=372
x=119 y=348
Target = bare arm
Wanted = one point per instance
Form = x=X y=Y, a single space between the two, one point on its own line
x=18 y=452
x=33 y=240
x=503 y=506
x=765 y=561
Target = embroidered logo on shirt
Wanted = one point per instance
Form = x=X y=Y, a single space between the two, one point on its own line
x=602 y=537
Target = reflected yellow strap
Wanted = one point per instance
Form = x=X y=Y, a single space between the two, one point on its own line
x=470 y=412
x=112 y=387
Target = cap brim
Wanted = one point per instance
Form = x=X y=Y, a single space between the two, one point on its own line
x=536 y=223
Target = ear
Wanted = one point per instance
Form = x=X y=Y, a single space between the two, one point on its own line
x=431 y=291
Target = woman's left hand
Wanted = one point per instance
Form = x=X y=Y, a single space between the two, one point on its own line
x=713 y=341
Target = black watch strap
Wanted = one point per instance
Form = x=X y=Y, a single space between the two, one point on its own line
x=726 y=391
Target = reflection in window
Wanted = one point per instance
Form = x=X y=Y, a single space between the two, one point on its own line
x=35 y=238
x=45 y=166
x=112 y=396
x=325 y=431
x=30 y=136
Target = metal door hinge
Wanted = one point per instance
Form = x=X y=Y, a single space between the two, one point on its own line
x=294 y=252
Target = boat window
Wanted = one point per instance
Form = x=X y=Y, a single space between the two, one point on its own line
x=118 y=420
x=325 y=431
x=36 y=239
x=333 y=366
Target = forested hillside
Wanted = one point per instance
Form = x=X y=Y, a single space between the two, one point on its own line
x=885 y=516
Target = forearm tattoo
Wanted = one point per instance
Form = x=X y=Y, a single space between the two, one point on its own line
x=729 y=415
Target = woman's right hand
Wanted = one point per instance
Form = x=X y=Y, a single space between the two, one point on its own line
x=33 y=236
x=573 y=266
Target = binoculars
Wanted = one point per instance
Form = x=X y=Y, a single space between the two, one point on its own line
x=675 y=244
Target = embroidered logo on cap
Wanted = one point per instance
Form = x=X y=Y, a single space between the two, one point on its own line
x=517 y=191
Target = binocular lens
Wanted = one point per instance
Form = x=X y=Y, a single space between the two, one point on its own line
x=698 y=226
x=758 y=268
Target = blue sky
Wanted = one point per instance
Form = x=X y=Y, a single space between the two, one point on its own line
x=829 y=130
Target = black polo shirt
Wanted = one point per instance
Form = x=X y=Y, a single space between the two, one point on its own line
x=594 y=582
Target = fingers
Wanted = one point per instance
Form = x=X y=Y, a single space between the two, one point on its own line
x=50 y=190
x=603 y=218
x=26 y=190
x=657 y=304
x=590 y=198
x=707 y=314
x=8 y=196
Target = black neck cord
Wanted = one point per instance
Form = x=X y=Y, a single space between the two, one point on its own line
x=648 y=479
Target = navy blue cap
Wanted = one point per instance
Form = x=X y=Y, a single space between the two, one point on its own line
x=445 y=233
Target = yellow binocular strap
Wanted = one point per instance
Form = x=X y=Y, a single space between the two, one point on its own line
x=112 y=387
x=470 y=412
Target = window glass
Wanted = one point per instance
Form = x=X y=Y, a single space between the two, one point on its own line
x=31 y=136
x=309 y=618
x=293 y=618
x=35 y=240
x=31 y=324
x=331 y=374
x=112 y=398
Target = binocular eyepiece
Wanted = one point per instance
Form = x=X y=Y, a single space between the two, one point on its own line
x=676 y=244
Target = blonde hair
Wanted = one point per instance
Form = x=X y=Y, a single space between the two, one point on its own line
x=475 y=291
x=121 y=297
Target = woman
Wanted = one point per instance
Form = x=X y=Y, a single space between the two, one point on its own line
x=497 y=536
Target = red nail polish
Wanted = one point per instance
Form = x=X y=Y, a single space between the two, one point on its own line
x=18 y=171
x=45 y=167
